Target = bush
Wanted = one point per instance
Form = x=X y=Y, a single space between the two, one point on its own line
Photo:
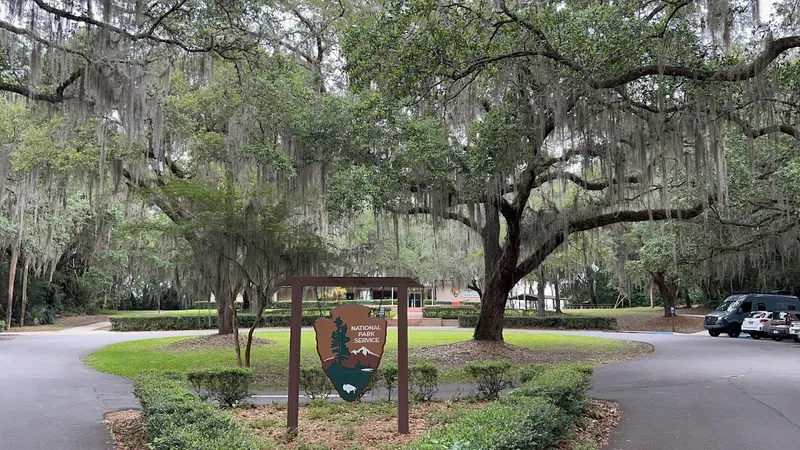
x=176 y=420
x=41 y=315
x=528 y=373
x=2 y=325
x=164 y=322
x=564 y=386
x=423 y=381
x=314 y=382
x=524 y=423
x=491 y=376
x=557 y=322
x=229 y=386
x=388 y=378
x=448 y=312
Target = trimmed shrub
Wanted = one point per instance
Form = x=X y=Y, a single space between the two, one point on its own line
x=524 y=423
x=176 y=420
x=566 y=387
x=528 y=373
x=229 y=386
x=423 y=381
x=388 y=378
x=557 y=322
x=314 y=382
x=491 y=376
x=165 y=322
x=448 y=312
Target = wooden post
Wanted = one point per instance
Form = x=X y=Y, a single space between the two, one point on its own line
x=294 y=357
x=402 y=359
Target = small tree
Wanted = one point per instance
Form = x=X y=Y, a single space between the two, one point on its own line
x=339 y=340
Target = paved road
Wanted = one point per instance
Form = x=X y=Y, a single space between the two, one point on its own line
x=49 y=400
x=692 y=393
x=704 y=393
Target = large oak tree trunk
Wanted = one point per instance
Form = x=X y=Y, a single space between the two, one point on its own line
x=493 y=302
x=12 y=275
x=224 y=314
x=668 y=288
x=499 y=263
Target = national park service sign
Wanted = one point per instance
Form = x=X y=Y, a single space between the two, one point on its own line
x=350 y=346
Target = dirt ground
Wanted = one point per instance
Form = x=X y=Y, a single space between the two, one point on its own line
x=337 y=426
x=63 y=322
x=679 y=323
x=127 y=430
x=453 y=356
x=214 y=341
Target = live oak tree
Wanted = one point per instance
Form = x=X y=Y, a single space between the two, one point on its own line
x=117 y=62
x=473 y=109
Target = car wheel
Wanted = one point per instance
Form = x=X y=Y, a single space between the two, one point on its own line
x=755 y=336
x=734 y=331
x=713 y=333
x=775 y=339
x=796 y=338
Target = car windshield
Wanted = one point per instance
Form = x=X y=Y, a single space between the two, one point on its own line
x=730 y=304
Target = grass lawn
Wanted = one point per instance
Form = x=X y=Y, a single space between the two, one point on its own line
x=270 y=362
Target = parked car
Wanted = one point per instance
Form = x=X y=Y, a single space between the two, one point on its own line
x=781 y=322
x=757 y=324
x=794 y=331
x=728 y=317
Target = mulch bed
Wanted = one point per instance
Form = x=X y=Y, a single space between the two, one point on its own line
x=678 y=324
x=598 y=422
x=375 y=433
x=127 y=430
x=452 y=356
x=214 y=341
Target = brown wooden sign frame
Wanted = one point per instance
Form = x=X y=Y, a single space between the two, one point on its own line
x=297 y=284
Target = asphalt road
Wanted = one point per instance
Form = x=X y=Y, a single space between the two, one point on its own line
x=704 y=393
x=692 y=393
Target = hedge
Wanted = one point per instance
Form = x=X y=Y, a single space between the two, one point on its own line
x=448 y=312
x=524 y=423
x=565 y=387
x=165 y=322
x=176 y=420
x=557 y=322
x=538 y=416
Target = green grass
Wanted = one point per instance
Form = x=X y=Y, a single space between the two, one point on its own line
x=270 y=362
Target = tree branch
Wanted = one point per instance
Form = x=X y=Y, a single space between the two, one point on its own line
x=582 y=182
x=450 y=215
x=600 y=220
x=49 y=97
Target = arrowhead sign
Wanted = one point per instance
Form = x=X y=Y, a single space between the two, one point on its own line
x=350 y=346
